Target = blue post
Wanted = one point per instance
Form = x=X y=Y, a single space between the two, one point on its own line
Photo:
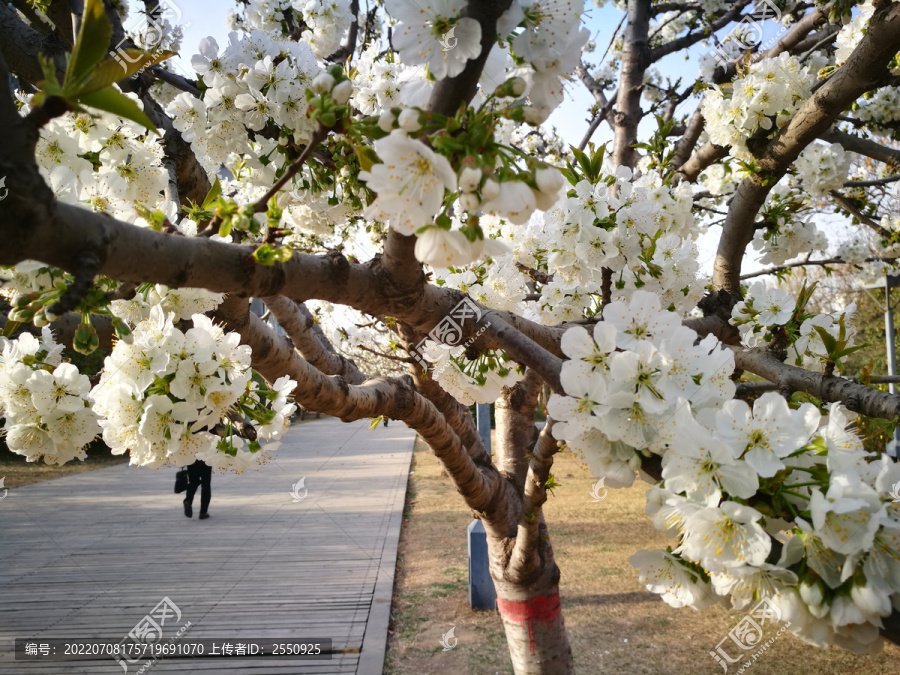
x=483 y=417
x=481 y=587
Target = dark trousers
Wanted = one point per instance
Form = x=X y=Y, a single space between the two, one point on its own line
x=199 y=475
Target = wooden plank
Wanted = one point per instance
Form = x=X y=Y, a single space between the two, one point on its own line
x=89 y=555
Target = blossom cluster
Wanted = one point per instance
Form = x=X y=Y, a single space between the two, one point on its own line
x=758 y=104
x=323 y=22
x=413 y=183
x=129 y=173
x=769 y=500
x=762 y=310
x=183 y=303
x=815 y=340
x=823 y=168
x=820 y=540
x=251 y=82
x=435 y=34
x=163 y=396
x=628 y=378
x=639 y=228
x=469 y=382
x=44 y=401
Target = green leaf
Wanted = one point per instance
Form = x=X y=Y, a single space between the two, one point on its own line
x=268 y=255
x=212 y=195
x=117 y=103
x=90 y=46
x=127 y=63
x=366 y=156
x=827 y=339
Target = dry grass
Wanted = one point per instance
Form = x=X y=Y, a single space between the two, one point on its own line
x=614 y=625
x=18 y=472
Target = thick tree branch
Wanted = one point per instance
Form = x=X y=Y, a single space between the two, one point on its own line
x=21 y=44
x=707 y=155
x=274 y=356
x=635 y=60
x=863 y=146
x=514 y=415
x=828 y=388
x=525 y=560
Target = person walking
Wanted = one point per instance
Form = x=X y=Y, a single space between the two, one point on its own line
x=199 y=475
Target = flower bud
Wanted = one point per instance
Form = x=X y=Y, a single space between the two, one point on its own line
x=490 y=190
x=40 y=319
x=534 y=116
x=549 y=180
x=386 y=121
x=811 y=593
x=323 y=83
x=24 y=315
x=86 y=340
x=544 y=200
x=341 y=92
x=469 y=178
x=513 y=87
x=469 y=201
x=123 y=332
x=21 y=301
x=409 y=120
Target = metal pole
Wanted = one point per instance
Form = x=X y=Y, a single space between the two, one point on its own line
x=889 y=333
x=891 y=356
x=483 y=420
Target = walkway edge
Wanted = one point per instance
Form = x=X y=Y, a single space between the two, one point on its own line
x=374 y=646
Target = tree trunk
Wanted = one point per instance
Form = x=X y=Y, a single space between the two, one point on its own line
x=535 y=631
x=522 y=566
x=514 y=415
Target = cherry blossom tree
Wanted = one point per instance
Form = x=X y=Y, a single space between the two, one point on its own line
x=384 y=179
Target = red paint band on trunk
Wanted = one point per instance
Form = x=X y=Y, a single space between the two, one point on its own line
x=538 y=608
x=544 y=609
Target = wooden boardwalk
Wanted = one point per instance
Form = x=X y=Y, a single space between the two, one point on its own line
x=91 y=554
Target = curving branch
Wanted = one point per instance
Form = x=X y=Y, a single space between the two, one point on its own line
x=308 y=338
x=690 y=39
x=863 y=146
x=274 y=356
x=859 y=215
